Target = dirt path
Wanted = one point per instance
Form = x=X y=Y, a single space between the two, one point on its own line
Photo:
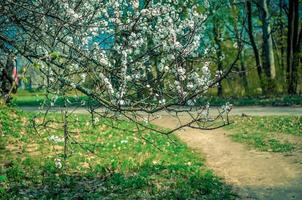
x=238 y=110
x=254 y=175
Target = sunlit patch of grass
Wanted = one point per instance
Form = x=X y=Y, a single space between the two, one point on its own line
x=103 y=163
x=267 y=133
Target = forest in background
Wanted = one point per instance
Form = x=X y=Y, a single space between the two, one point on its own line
x=269 y=34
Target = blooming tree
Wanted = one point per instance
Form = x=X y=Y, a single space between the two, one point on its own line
x=134 y=58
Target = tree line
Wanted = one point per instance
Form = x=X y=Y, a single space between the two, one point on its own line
x=271 y=38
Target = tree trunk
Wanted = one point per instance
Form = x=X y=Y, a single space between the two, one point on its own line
x=293 y=46
x=282 y=44
x=243 y=72
x=6 y=79
x=253 y=42
x=268 y=61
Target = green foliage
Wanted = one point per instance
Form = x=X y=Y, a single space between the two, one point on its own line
x=3 y=178
x=15 y=172
x=270 y=133
x=54 y=55
x=36 y=65
x=13 y=122
x=123 y=165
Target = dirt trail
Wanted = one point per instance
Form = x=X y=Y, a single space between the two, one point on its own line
x=253 y=174
x=237 y=110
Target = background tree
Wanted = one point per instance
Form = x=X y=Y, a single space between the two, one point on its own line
x=7 y=80
x=294 y=37
x=238 y=22
x=268 y=60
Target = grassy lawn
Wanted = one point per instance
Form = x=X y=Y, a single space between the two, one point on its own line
x=36 y=98
x=270 y=133
x=103 y=163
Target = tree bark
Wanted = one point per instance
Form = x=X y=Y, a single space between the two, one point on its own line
x=282 y=43
x=250 y=31
x=243 y=72
x=293 y=47
x=6 y=78
x=268 y=61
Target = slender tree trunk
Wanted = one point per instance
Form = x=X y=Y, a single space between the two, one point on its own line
x=282 y=44
x=268 y=61
x=243 y=72
x=293 y=46
x=253 y=42
x=217 y=36
x=91 y=111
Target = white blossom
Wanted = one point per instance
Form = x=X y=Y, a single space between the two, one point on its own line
x=55 y=139
x=58 y=163
x=124 y=141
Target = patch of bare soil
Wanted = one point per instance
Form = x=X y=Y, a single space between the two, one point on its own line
x=253 y=174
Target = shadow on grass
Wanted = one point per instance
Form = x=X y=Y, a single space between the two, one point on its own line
x=290 y=191
x=147 y=182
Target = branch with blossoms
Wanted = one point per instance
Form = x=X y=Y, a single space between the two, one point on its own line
x=131 y=58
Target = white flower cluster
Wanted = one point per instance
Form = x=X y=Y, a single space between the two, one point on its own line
x=55 y=139
x=124 y=141
x=181 y=72
x=219 y=73
x=126 y=45
x=70 y=11
x=107 y=83
x=58 y=163
x=227 y=107
x=200 y=82
x=162 y=101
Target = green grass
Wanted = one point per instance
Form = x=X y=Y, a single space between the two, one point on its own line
x=39 y=99
x=123 y=165
x=36 y=98
x=269 y=133
x=253 y=101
